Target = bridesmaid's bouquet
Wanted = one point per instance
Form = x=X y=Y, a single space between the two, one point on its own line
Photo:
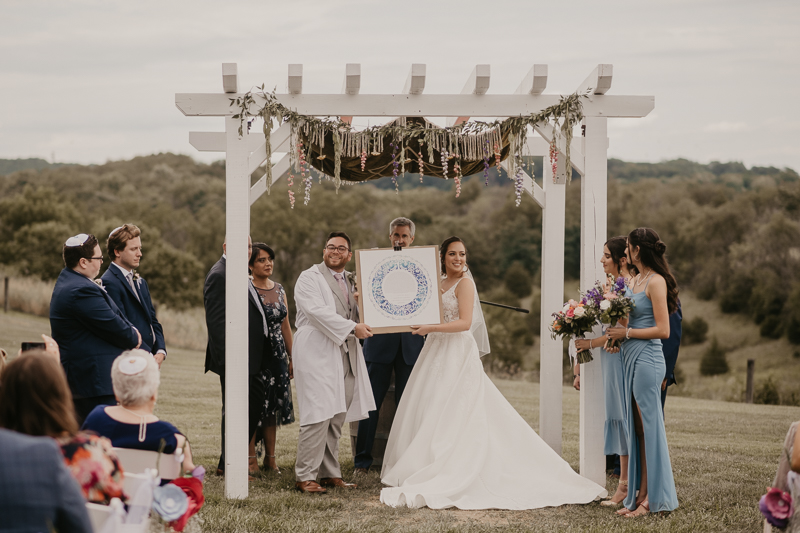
x=575 y=319
x=611 y=302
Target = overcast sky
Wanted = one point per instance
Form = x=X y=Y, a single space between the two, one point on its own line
x=91 y=81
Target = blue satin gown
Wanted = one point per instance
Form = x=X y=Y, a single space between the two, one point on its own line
x=644 y=370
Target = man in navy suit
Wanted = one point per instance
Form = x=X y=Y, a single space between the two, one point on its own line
x=385 y=353
x=259 y=345
x=37 y=491
x=88 y=326
x=130 y=291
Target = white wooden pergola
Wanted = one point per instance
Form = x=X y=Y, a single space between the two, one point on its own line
x=589 y=158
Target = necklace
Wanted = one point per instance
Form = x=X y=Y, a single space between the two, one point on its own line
x=142 y=423
x=639 y=280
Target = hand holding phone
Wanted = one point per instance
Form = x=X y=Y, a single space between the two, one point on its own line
x=28 y=346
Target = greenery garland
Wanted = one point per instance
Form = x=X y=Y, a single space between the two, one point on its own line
x=466 y=142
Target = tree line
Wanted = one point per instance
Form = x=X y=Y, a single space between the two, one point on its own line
x=733 y=233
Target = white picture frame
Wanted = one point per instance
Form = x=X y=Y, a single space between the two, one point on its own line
x=399 y=288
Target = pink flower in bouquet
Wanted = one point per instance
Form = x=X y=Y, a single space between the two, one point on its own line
x=571 y=312
x=610 y=296
x=776 y=506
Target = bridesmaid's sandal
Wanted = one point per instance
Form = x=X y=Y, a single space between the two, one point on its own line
x=618 y=497
x=642 y=510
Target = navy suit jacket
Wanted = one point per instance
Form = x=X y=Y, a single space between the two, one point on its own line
x=37 y=492
x=214 y=303
x=141 y=314
x=382 y=348
x=91 y=332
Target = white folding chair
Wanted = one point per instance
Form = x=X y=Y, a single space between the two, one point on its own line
x=106 y=518
x=138 y=461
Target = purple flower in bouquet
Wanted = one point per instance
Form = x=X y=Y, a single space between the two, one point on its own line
x=776 y=506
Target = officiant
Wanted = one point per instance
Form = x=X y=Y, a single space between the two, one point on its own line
x=329 y=370
x=384 y=354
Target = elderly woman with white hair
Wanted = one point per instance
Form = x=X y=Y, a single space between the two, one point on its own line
x=132 y=424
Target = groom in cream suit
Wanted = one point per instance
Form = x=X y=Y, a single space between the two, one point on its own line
x=329 y=370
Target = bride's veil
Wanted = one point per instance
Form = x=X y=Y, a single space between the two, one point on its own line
x=478 y=327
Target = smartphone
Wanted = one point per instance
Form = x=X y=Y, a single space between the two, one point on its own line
x=28 y=346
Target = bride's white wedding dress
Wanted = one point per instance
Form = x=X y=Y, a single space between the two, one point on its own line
x=457 y=442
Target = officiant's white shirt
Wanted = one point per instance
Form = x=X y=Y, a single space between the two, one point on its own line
x=317 y=356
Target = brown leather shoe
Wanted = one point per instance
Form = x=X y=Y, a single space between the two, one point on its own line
x=311 y=487
x=336 y=482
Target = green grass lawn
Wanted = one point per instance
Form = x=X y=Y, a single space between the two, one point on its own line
x=724 y=455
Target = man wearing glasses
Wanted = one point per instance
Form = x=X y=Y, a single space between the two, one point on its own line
x=88 y=326
x=329 y=370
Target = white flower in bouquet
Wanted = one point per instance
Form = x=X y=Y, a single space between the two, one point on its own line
x=605 y=305
x=579 y=312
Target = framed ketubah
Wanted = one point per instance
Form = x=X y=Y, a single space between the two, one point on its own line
x=399 y=288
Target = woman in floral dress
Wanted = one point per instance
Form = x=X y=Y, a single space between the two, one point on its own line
x=278 y=408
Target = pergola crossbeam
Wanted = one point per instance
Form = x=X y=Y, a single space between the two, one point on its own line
x=534 y=82
x=477 y=84
x=415 y=83
x=598 y=82
x=294 y=84
x=424 y=105
x=230 y=78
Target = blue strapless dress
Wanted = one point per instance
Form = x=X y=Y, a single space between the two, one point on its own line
x=643 y=371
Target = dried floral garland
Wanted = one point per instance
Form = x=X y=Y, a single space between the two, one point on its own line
x=344 y=154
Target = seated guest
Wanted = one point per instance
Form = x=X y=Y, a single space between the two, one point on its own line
x=132 y=424
x=37 y=492
x=35 y=400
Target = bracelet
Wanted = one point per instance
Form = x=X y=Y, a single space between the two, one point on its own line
x=575 y=376
x=628 y=333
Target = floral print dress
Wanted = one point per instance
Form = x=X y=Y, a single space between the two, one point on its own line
x=276 y=377
x=94 y=465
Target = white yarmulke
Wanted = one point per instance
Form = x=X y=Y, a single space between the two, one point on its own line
x=132 y=365
x=77 y=240
x=114 y=231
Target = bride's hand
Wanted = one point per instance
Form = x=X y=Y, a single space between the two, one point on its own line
x=421 y=330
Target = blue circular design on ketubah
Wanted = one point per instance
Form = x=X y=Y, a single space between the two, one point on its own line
x=411 y=266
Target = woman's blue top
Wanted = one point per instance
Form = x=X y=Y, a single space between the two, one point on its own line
x=123 y=435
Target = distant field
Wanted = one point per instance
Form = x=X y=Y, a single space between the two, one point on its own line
x=774 y=359
x=724 y=456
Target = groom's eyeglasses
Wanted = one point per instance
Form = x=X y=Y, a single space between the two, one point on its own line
x=340 y=249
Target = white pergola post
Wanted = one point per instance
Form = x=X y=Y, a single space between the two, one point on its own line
x=593 y=235
x=237 y=229
x=551 y=351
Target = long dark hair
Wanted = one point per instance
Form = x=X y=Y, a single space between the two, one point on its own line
x=35 y=398
x=616 y=246
x=651 y=254
x=443 y=249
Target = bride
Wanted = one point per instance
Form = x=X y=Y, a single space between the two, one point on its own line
x=456 y=441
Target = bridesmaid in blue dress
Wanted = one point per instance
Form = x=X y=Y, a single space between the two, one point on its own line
x=615 y=262
x=655 y=294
